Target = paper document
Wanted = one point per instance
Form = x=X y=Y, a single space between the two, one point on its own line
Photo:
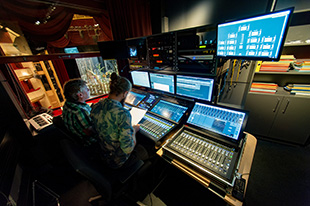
x=136 y=115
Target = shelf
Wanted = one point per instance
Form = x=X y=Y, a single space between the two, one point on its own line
x=36 y=95
x=40 y=73
x=23 y=74
x=284 y=73
x=282 y=92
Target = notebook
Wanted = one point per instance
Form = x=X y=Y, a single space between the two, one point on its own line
x=211 y=140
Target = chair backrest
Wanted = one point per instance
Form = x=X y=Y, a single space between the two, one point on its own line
x=101 y=177
x=82 y=163
x=59 y=124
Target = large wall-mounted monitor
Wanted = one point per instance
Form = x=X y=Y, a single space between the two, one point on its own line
x=258 y=38
x=195 y=87
x=162 y=82
x=140 y=78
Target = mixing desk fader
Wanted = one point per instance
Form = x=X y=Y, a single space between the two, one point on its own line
x=161 y=119
x=155 y=127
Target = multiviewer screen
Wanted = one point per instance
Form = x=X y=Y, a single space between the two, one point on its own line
x=257 y=37
x=195 y=87
x=169 y=110
x=140 y=78
x=162 y=82
x=134 y=98
x=226 y=122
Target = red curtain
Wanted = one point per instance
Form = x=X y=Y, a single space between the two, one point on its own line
x=129 y=18
x=105 y=25
x=27 y=13
x=61 y=71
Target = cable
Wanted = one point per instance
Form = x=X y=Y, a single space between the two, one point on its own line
x=240 y=62
x=151 y=201
x=232 y=71
x=8 y=202
x=244 y=174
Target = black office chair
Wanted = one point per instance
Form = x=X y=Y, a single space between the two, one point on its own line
x=109 y=183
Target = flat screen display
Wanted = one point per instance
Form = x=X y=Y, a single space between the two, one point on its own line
x=162 y=82
x=223 y=121
x=169 y=110
x=140 y=78
x=71 y=50
x=257 y=38
x=134 y=98
x=195 y=87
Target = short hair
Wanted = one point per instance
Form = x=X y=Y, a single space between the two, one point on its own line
x=72 y=88
x=119 y=84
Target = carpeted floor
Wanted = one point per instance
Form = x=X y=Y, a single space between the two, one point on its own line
x=280 y=175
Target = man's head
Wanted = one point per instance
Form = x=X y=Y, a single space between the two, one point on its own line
x=76 y=90
x=119 y=86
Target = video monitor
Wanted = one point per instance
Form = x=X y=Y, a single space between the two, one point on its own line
x=71 y=50
x=134 y=98
x=137 y=48
x=133 y=52
x=258 y=38
x=162 y=82
x=140 y=78
x=195 y=87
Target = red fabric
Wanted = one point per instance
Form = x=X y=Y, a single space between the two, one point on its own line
x=105 y=25
x=60 y=43
x=27 y=13
x=85 y=37
x=5 y=37
x=129 y=18
x=61 y=71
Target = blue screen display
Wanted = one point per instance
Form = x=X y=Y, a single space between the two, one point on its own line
x=169 y=110
x=257 y=37
x=71 y=50
x=134 y=98
x=162 y=82
x=195 y=87
x=140 y=78
x=223 y=121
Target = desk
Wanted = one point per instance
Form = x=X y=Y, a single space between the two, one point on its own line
x=244 y=169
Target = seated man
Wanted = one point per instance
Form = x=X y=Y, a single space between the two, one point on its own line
x=76 y=112
x=112 y=122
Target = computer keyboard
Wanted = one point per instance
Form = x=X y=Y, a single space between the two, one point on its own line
x=41 y=121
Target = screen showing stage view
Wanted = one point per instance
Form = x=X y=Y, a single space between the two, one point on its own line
x=195 y=87
x=140 y=78
x=162 y=82
x=259 y=37
x=226 y=122
x=169 y=110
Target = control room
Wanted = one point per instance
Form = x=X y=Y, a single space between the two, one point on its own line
x=154 y=103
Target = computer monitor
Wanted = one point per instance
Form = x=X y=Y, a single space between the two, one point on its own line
x=140 y=78
x=256 y=38
x=195 y=87
x=162 y=82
